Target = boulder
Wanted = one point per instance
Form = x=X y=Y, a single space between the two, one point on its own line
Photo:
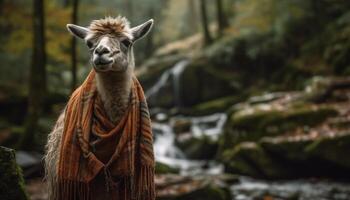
x=198 y=148
x=11 y=180
x=332 y=149
x=249 y=158
x=291 y=157
x=186 y=83
x=172 y=187
x=252 y=122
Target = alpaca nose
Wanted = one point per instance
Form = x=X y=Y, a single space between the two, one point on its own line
x=100 y=50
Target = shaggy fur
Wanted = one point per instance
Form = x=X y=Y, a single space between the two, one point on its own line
x=109 y=25
x=114 y=90
x=52 y=154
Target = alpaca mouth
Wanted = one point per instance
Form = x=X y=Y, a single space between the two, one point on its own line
x=102 y=62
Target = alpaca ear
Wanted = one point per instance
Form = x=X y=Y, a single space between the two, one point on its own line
x=142 y=30
x=77 y=31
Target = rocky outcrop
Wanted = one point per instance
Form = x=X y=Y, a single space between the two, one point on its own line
x=288 y=135
x=11 y=180
x=291 y=157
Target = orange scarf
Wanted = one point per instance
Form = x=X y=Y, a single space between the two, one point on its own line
x=92 y=145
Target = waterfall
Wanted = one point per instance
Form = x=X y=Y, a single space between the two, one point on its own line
x=167 y=152
x=172 y=75
x=177 y=72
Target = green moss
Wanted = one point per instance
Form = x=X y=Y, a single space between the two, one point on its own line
x=217 y=105
x=162 y=168
x=11 y=180
x=289 y=150
x=265 y=120
x=251 y=159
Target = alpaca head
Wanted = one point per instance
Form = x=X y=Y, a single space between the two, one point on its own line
x=110 y=41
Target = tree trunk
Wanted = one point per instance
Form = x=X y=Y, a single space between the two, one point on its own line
x=221 y=17
x=204 y=15
x=149 y=47
x=74 y=46
x=37 y=77
x=129 y=8
x=192 y=16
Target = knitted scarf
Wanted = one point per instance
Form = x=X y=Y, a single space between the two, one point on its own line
x=92 y=145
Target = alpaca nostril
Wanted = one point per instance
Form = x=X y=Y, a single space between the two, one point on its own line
x=101 y=50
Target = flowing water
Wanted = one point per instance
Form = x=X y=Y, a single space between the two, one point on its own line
x=172 y=75
x=212 y=125
x=246 y=188
x=167 y=152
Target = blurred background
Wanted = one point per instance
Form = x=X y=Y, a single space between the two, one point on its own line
x=249 y=98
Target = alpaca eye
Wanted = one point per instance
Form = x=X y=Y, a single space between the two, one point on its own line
x=126 y=43
x=89 y=44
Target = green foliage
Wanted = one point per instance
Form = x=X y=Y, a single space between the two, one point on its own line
x=162 y=168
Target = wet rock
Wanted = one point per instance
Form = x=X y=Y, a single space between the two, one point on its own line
x=186 y=83
x=198 y=148
x=190 y=188
x=153 y=69
x=11 y=180
x=181 y=125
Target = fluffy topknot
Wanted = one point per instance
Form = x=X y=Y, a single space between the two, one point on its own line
x=110 y=25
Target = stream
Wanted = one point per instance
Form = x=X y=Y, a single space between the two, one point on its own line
x=246 y=188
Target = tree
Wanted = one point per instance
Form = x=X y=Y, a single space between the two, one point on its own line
x=129 y=8
x=221 y=17
x=192 y=12
x=206 y=33
x=37 y=77
x=75 y=4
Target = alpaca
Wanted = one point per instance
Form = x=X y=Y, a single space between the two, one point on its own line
x=110 y=42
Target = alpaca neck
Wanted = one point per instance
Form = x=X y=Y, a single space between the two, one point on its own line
x=114 y=90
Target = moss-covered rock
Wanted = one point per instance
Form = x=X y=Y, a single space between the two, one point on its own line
x=202 y=82
x=293 y=156
x=251 y=159
x=201 y=148
x=254 y=122
x=150 y=72
x=11 y=180
x=162 y=168
x=197 y=82
x=214 y=106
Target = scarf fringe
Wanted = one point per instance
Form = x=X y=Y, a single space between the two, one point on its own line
x=145 y=187
x=72 y=190
x=143 y=190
